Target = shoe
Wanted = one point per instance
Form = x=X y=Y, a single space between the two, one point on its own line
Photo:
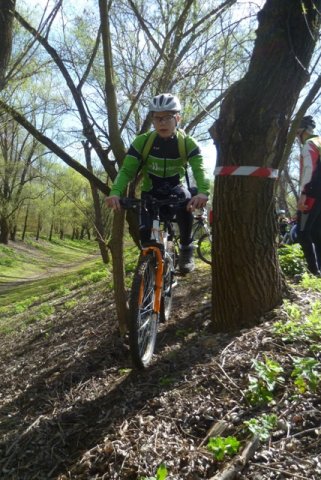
x=185 y=260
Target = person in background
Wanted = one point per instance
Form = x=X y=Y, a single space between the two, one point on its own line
x=309 y=202
x=163 y=170
x=283 y=223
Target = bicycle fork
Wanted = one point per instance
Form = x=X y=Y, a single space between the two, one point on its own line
x=158 y=278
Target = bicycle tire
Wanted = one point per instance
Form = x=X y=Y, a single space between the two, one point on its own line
x=204 y=248
x=143 y=321
x=168 y=281
x=198 y=231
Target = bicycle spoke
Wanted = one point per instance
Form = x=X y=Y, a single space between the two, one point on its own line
x=143 y=325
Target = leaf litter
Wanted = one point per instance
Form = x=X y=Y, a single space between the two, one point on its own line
x=72 y=407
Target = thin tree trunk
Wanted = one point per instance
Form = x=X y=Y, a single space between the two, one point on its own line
x=51 y=231
x=39 y=227
x=117 y=249
x=99 y=224
x=25 y=223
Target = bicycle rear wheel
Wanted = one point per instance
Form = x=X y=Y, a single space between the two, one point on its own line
x=204 y=248
x=143 y=321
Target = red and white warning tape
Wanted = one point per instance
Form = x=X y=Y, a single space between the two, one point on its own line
x=247 y=171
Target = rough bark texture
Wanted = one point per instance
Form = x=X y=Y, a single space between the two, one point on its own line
x=4 y=230
x=6 y=21
x=251 y=131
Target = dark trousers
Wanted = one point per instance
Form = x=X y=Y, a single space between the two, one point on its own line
x=184 y=218
x=309 y=236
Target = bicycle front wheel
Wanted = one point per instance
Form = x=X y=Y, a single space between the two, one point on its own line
x=143 y=321
x=168 y=282
x=204 y=248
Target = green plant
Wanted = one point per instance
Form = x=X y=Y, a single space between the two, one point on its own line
x=22 y=306
x=262 y=426
x=292 y=310
x=70 y=304
x=183 y=332
x=124 y=371
x=261 y=387
x=222 y=446
x=8 y=257
x=42 y=312
x=95 y=277
x=311 y=282
x=291 y=260
x=60 y=290
x=166 y=381
x=306 y=374
x=161 y=474
x=301 y=329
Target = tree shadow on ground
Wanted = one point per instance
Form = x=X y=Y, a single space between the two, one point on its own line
x=72 y=383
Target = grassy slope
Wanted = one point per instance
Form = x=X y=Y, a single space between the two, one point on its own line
x=21 y=260
x=36 y=276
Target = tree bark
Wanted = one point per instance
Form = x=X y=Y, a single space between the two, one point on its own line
x=39 y=227
x=99 y=224
x=6 y=22
x=117 y=249
x=4 y=230
x=118 y=149
x=25 y=223
x=251 y=131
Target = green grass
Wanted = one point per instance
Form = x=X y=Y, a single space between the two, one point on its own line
x=78 y=265
x=31 y=258
x=35 y=301
x=56 y=275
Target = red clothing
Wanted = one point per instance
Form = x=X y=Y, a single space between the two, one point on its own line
x=310 y=170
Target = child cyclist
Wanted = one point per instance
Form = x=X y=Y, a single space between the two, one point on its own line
x=163 y=170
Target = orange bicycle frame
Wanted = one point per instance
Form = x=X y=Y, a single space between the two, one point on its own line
x=158 y=277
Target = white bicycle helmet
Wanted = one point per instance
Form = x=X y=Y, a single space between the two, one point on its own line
x=165 y=102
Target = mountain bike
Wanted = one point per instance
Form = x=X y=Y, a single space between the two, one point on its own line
x=202 y=236
x=154 y=278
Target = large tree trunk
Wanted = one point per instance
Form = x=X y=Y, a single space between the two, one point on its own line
x=252 y=130
x=6 y=21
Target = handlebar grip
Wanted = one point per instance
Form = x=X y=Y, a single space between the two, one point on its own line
x=128 y=203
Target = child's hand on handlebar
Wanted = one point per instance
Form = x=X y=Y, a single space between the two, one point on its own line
x=113 y=202
x=199 y=201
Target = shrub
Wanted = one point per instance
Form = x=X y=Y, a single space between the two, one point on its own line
x=291 y=260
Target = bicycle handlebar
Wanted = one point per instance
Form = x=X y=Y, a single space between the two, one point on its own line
x=172 y=200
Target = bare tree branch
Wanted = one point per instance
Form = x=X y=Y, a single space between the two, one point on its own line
x=54 y=148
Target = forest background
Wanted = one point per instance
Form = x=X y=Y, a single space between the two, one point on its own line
x=77 y=89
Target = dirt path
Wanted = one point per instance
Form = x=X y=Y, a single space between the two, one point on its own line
x=7 y=286
x=72 y=408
